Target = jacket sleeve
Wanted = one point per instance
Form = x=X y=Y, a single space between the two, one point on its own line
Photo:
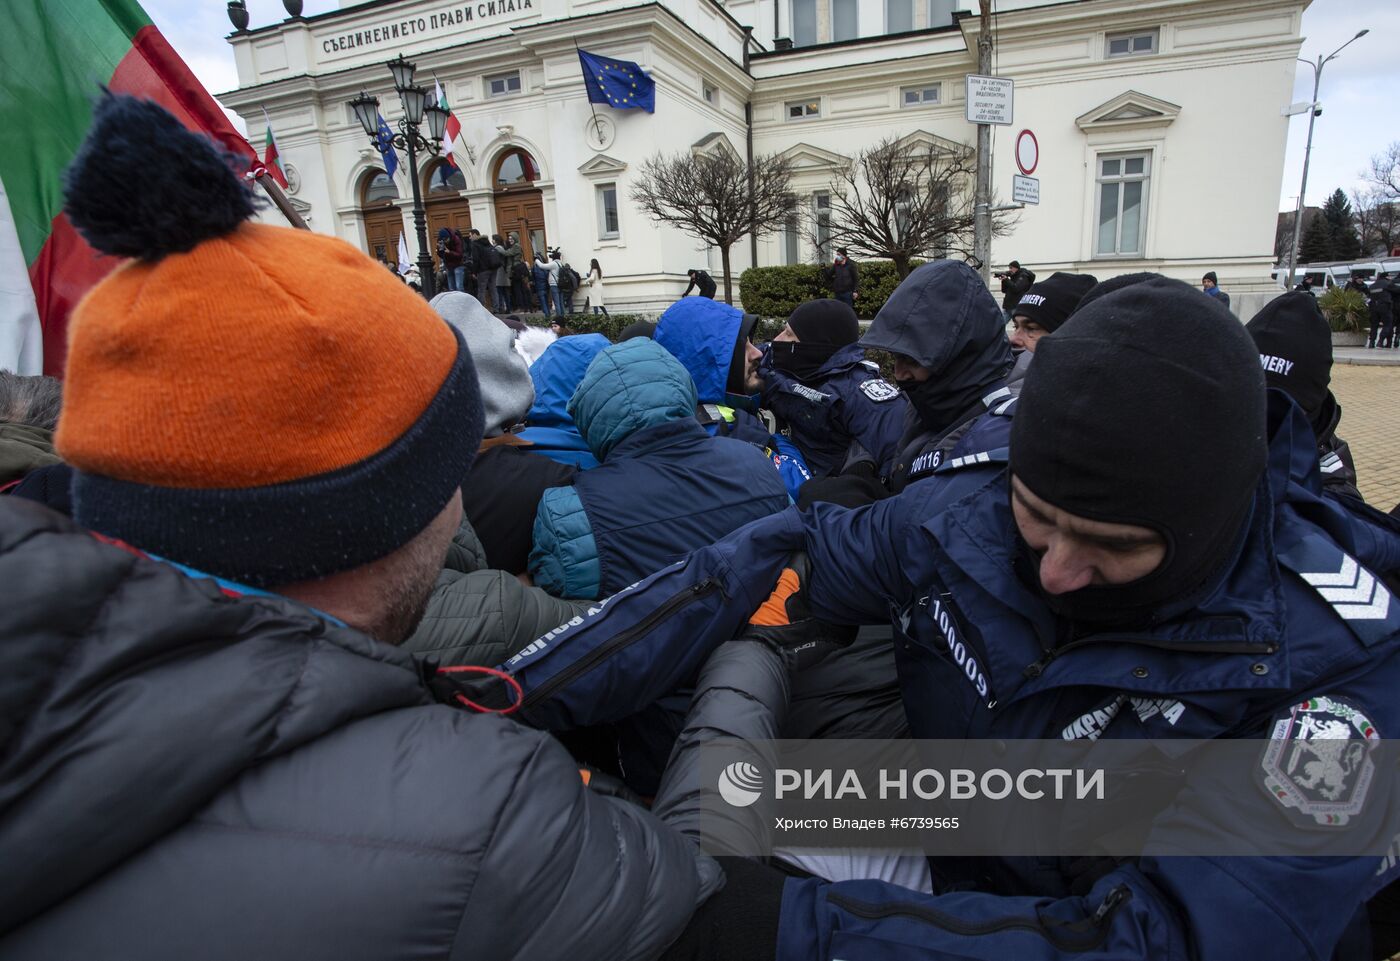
x=857 y=569
x=485 y=617
x=583 y=875
x=877 y=425
x=564 y=558
x=465 y=553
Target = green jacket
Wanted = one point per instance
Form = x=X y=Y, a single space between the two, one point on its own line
x=481 y=616
x=23 y=449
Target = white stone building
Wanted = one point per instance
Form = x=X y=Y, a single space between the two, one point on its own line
x=1160 y=136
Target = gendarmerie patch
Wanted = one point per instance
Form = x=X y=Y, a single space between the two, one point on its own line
x=1317 y=763
x=879 y=391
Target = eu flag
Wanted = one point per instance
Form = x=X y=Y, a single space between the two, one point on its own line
x=384 y=140
x=620 y=84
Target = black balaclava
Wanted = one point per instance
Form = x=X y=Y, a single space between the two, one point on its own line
x=1049 y=303
x=1147 y=408
x=943 y=317
x=1295 y=353
x=822 y=327
x=1105 y=287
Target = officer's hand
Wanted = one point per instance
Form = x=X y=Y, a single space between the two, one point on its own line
x=785 y=623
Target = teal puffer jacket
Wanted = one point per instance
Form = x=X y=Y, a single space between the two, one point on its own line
x=629 y=387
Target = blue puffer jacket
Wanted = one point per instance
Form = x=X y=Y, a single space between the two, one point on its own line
x=551 y=430
x=847 y=401
x=665 y=486
x=704 y=335
x=1302 y=613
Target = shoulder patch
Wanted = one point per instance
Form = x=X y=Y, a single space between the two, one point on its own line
x=1317 y=763
x=1330 y=464
x=879 y=390
x=1354 y=593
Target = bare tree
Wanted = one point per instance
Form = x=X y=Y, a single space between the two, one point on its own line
x=715 y=198
x=1385 y=171
x=1377 y=220
x=900 y=200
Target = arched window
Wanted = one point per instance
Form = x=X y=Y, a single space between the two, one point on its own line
x=379 y=190
x=516 y=168
x=444 y=180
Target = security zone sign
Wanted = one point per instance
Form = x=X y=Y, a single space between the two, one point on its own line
x=1025 y=190
x=989 y=99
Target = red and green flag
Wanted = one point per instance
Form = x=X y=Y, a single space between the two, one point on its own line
x=272 y=157
x=57 y=54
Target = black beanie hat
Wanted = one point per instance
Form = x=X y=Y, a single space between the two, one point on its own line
x=1295 y=350
x=1210 y=275
x=825 y=322
x=638 y=328
x=1147 y=408
x=1108 y=286
x=1049 y=303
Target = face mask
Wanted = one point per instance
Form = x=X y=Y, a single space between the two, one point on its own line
x=801 y=361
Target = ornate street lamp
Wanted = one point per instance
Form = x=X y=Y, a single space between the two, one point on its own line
x=416 y=109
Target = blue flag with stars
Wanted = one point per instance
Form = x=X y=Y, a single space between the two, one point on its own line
x=621 y=84
x=385 y=142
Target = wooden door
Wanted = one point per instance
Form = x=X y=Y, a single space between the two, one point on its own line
x=522 y=213
x=382 y=229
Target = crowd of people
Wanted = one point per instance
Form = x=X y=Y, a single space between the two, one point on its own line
x=343 y=624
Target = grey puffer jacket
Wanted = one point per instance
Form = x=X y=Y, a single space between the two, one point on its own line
x=185 y=774
x=481 y=616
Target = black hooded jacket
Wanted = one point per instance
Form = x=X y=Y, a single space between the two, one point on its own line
x=944 y=318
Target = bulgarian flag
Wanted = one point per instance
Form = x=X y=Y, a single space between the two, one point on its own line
x=272 y=157
x=56 y=55
x=452 y=133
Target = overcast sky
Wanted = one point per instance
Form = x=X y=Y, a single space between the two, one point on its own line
x=1357 y=120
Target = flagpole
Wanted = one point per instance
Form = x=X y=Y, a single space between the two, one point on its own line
x=279 y=199
x=597 y=124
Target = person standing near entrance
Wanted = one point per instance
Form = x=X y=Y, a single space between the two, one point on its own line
x=539 y=276
x=594 y=283
x=484 y=263
x=501 y=294
x=512 y=255
x=554 y=268
x=449 y=245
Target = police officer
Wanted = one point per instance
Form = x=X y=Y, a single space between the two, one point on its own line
x=951 y=360
x=824 y=392
x=1147 y=562
x=1295 y=352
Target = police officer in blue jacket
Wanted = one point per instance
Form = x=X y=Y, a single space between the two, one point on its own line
x=824 y=392
x=1153 y=559
x=951 y=360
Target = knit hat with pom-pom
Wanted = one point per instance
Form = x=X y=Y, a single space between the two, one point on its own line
x=264 y=404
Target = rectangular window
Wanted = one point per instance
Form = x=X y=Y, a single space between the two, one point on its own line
x=709 y=93
x=821 y=205
x=920 y=96
x=803 y=109
x=792 y=242
x=940 y=12
x=503 y=84
x=607 y=212
x=899 y=16
x=1136 y=44
x=1122 y=200
x=804 y=23
x=844 y=21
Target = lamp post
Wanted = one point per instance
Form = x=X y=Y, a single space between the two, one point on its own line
x=416 y=108
x=1313 y=111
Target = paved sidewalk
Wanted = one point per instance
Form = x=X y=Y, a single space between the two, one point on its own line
x=1360 y=356
x=1370 y=399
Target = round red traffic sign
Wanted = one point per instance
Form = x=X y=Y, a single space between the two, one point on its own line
x=1027 y=152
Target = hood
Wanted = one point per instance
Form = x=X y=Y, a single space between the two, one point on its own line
x=703 y=334
x=23 y=449
x=556 y=375
x=944 y=317
x=629 y=387
x=501 y=373
x=117 y=726
x=1295 y=349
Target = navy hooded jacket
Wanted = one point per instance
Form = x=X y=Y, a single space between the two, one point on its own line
x=944 y=318
x=1303 y=612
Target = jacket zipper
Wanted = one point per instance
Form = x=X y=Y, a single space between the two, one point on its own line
x=1036 y=669
x=1100 y=919
x=616 y=643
